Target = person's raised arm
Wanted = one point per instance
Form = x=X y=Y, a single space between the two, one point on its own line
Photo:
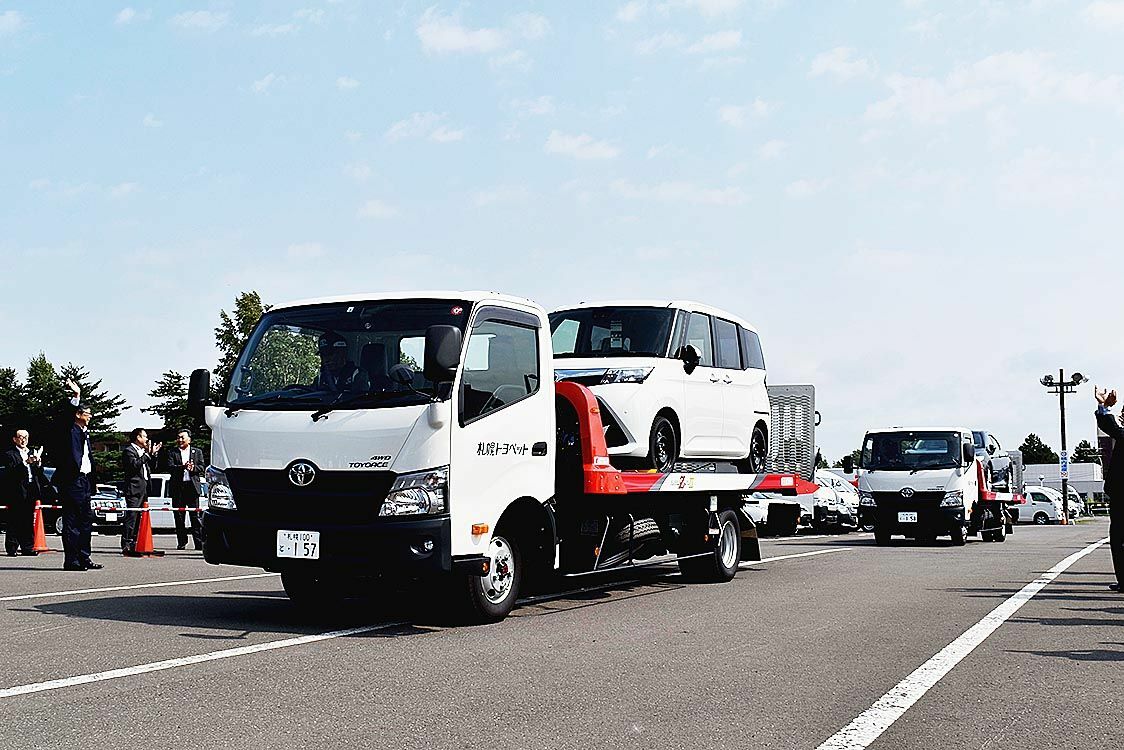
x=1109 y=424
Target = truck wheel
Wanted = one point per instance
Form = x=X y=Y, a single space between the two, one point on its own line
x=646 y=537
x=1000 y=534
x=1041 y=518
x=881 y=537
x=721 y=565
x=58 y=525
x=306 y=590
x=491 y=598
x=959 y=536
x=663 y=445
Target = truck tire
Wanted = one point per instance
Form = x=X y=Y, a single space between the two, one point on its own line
x=490 y=598
x=959 y=536
x=308 y=591
x=663 y=445
x=721 y=564
x=58 y=525
x=645 y=533
x=881 y=537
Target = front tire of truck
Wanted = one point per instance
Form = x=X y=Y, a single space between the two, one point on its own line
x=491 y=597
x=881 y=537
x=959 y=536
x=308 y=591
x=721 y=564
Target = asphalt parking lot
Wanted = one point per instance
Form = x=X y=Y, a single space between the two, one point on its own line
x=173 y=652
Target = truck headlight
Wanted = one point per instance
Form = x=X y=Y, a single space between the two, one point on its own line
x=867 y=499
x=219 y=494
x=626 y=375
x=420 y=493
x=953 y=499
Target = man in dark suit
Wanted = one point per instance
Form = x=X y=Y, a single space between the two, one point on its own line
x=1113 y=482
x=186 y=466
x=74 y=478
x=21 y=484
x=137 y=459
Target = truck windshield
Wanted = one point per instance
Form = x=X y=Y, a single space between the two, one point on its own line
x=611 y=332
x=908 y=450
x=347 y=355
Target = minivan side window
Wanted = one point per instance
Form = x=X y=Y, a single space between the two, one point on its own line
x=726 y=336
x=752 y=355
x=700 y=337
x=501 y=367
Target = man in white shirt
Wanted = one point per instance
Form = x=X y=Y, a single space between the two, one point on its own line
x=74 y=478
x=186 y=466
x=21 y=483
x=137 y=460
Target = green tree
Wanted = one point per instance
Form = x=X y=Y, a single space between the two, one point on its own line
x=234 y=331
x=855 y=455
x=1085 y=453
x=12 y=398
x=106 y=406
x=171 y=401
x=43 y=392
x=1037 y=452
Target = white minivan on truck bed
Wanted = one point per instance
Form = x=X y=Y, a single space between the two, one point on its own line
x=675 y=380
x=421 y=437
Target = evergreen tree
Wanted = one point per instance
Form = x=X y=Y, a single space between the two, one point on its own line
x=855 y=455
x=43 y=392
x=171 y=401
x=106 y=407
x=234 y=331
x=1037 y=452
x=1085 y=453
x=11 y=399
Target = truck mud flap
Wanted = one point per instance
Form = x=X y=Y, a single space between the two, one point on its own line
x=751 y=547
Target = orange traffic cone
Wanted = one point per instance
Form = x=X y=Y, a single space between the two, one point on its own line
x=40 y=542
x=144 y=535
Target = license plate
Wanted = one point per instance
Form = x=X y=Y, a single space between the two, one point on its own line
x=110 y=516
x=303 y=545
x=907 y=518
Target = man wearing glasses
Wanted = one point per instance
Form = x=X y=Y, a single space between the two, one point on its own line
x=74 y=479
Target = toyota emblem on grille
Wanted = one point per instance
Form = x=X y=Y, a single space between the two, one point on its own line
x=907 y=492
x=302 y=473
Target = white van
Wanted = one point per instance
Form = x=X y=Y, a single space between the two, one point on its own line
x=160 y=502
x=1043 y=505
x=675 y=380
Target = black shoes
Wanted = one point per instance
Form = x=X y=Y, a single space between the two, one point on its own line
x=67 y=566
x=29 y=553
x=182 y=546
x=93 y=566
x=11 y=553
x=1115 y=587
x=131 y=553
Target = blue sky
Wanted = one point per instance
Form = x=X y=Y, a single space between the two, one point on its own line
x=918 y=203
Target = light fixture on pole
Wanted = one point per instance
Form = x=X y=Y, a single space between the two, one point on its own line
x=1061 y=386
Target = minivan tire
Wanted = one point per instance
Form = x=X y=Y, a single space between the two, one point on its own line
x=1041 y=518
x=663 y=445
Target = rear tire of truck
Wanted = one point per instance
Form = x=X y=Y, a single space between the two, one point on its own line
x=645 y=534
x=663 y=445
x=721 y=564
x=881 y=537
x=490 y=598
x=959 y=536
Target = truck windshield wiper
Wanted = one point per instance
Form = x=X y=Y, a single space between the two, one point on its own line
x=273 y=398
x=339 y=403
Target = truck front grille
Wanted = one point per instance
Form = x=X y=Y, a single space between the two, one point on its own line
x=333 y=497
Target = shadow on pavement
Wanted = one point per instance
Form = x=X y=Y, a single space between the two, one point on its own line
x=1095 y=654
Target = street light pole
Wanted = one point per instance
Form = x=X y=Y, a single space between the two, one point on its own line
x=1061 y=387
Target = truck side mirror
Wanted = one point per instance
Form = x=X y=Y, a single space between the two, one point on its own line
x=848 y=464
x=198 y=394
x=442 y=353
x=690 y=356
x=969 y=453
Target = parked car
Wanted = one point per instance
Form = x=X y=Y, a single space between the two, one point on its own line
x=996 y=462
x=160 y=502
x=675 y=380
x=840 y=511
x=1043 y=505
x=106 y=503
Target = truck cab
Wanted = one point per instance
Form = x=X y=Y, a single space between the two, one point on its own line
x=918 y=482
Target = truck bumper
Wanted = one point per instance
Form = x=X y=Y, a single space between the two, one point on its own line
x=409 y=548
x=935 y=521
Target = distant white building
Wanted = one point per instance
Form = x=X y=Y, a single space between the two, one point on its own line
x=1087 y=479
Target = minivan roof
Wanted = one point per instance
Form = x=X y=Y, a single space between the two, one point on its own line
x=467 y=296
x=673 y=304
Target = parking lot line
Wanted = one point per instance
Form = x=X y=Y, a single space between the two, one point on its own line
x=751 y=563
x=75 y=592
x=157 y=666
x=871 y=723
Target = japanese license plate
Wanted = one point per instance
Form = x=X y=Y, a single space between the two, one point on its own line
x=303 y=545
x=110 y=516
x=907 y=518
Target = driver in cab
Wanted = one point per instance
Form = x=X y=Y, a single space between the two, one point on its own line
x=337 y=372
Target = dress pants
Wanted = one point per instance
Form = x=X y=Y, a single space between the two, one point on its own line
x=131 y=523
x=20 y=526
x=1116 y=536
x=77 y=521
x=186 y=497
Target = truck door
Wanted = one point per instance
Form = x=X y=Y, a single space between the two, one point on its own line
x=503 y=432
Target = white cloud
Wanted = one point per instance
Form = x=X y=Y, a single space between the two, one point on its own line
x=1041 y=177
x=632 y=11
x=516 y=59
x=128 y=16
x=681 y=193
x=719 y=41
x=806 y=188
x=773 y=149
x=346 y=83
x=377 y=209
x=1107 y=13
x=537 y=107
x=311 y=15
x=305 y=251
x=358 y=171
x=11 y=21
x=275 y=29
x=443 y=33
x=737 y=115
x=666 y=40
x=264 y=84
x=150 y=121
x=123 y=189
x=424 y=125
x=841 y=63
x=581 y=146
x=201 y=20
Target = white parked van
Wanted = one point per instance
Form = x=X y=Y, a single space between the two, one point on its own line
x=1043 y=505
x=675 y=380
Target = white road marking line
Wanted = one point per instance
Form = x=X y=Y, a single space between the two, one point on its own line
x=185 y=661
x=871 y=723
x=75 y=592
x=789 y=557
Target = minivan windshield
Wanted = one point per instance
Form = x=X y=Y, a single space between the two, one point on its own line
x=345 y=355
x=911 y=450
x=611 y=332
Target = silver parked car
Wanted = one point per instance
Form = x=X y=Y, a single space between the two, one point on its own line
x=996 y=462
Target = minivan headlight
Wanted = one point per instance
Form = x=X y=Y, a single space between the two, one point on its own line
x=219 y=493
x=420 y=493
x=953 y=499
x=626 y=375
